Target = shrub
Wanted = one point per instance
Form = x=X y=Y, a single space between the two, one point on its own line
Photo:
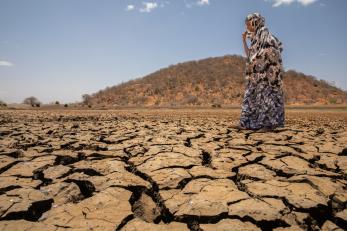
x=33 y=101
x=190 y=99
x=86 y=99
x=2 y=104
x=332 y=100
x=216 y=105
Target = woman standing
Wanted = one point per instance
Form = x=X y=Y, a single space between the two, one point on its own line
x=263 y=103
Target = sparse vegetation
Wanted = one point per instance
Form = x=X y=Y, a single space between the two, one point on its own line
x=57 y=103
x=190 y=100
x=211 y=81
x=2 y=104
x=32 y=101
x=86 y=99
x=332 y=100
x=216 y=105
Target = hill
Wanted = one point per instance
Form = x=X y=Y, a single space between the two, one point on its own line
x=212 y=81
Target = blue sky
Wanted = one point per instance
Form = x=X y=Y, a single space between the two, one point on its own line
x=61 y=49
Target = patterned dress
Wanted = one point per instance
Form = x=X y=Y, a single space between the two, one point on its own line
x=263 y=103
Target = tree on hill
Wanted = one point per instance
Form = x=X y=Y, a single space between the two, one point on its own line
x=86 y=99
x=2 y=104
x=33 y=101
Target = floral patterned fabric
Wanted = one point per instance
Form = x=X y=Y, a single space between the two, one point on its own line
x=263 y=103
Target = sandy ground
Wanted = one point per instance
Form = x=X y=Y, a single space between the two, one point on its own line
x=171 y=170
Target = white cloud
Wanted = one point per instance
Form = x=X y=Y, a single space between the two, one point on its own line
x=191 y=3
x=130 y=7
x=307 y=2
x=287 y=2
x=281 y=2
x=203 y=2
x=148 y=6
x=6 y=63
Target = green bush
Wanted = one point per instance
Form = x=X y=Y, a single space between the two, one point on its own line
x=332 y=100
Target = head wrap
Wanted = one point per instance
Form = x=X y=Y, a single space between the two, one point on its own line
x=261 y=38
x=257 y=21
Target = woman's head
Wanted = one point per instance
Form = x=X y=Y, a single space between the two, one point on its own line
x=254 y=22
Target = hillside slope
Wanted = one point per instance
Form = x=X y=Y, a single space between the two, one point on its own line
x=211 y=81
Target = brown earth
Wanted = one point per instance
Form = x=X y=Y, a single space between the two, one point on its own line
x=171 y=170
x=217 y=81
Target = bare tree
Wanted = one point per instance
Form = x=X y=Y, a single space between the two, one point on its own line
x=33 y=101
x=86 y=99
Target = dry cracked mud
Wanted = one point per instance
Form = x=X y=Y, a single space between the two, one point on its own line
x=171 y=170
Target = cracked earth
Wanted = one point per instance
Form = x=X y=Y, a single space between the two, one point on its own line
x=171 y=170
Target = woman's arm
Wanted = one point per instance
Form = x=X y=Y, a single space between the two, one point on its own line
x=245 y=47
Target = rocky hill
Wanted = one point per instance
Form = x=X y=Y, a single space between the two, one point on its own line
x=217 y=81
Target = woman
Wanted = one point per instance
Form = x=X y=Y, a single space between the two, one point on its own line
x=263 y=103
